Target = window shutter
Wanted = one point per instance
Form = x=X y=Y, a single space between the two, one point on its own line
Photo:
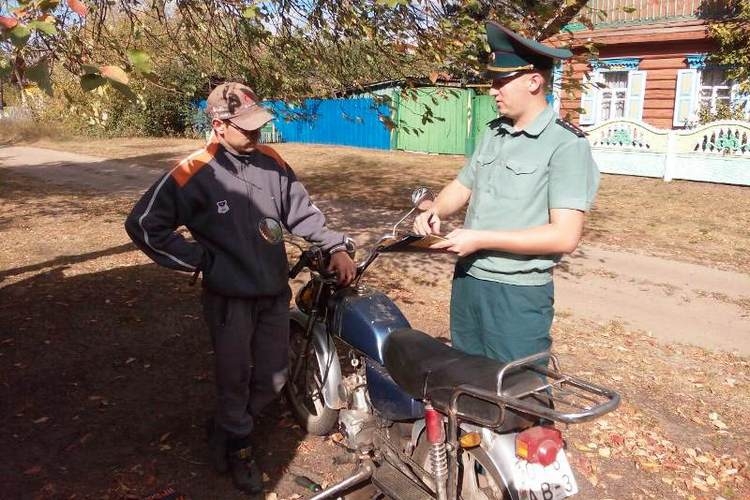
x=588 y=99
x=740 y=100
x=636 y=95
x=557 y=76
x=686 y=96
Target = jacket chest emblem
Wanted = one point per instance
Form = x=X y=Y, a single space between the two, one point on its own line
x=222 y=206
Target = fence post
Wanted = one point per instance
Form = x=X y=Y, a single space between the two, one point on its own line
x=669 y=160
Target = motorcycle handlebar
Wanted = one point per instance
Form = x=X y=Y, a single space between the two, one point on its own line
x=295 y=270
x=311 y=258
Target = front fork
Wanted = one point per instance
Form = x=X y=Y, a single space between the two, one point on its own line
x=309 y=326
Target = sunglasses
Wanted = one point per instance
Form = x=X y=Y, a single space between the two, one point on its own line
x=240 y=129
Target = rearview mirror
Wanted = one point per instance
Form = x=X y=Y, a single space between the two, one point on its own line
x=422 y=198
x=271 y=231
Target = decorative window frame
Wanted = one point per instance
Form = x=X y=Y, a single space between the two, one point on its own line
x=636 y=89
x=688 y=88
x=696 y=61
x=615 y=64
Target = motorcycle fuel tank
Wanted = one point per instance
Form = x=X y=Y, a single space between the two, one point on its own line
x=364 y=319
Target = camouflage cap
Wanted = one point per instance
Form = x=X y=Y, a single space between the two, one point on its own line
x=237 y=103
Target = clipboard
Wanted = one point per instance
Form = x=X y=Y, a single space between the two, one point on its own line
x=410 y=242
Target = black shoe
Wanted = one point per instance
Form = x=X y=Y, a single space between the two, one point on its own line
x=246 y=475
x=217 y=443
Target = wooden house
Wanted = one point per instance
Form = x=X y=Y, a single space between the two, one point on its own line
x=651 y=65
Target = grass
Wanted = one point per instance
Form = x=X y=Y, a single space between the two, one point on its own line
x=20 y=131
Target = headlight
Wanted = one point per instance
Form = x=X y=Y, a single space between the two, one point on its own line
x=306 y=296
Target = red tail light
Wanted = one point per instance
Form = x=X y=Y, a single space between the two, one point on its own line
x=539 y=445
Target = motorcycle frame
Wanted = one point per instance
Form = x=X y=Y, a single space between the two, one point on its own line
x=498 y=447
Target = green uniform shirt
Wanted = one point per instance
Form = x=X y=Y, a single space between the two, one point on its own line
x=515 y=178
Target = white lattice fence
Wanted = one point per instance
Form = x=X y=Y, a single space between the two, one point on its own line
x=716 y=152
x=628 y=147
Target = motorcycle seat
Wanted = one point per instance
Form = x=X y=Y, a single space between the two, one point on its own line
x=428 y=369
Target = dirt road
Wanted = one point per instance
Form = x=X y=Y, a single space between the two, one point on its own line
x=673 y=301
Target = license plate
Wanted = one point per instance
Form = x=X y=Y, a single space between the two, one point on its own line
x=536 y=482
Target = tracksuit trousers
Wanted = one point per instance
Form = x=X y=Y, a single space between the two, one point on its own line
x=251 y=349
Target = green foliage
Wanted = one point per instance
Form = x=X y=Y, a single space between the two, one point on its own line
x=287 y=48
x=723 y=111
x=105 y=112
x=160 y=59
x=730 y=26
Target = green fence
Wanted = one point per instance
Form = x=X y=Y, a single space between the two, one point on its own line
x=483 y=110
x=442 y=119
x=433 y=120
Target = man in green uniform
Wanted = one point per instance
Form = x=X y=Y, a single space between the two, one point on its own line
x=528 y=186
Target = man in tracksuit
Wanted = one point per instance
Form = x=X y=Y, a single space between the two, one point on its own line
x=221 y=193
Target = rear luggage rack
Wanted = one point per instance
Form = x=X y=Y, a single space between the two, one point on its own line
x=572 y=400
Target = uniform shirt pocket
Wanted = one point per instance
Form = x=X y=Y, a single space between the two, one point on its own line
x=519 y=179
x=484 y=171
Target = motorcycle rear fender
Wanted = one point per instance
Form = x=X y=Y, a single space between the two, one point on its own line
x=497 y=446
x=501 y=448
x=325 y=353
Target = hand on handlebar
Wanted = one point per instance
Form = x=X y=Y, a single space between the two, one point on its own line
x=428 y=222
x=343 y=266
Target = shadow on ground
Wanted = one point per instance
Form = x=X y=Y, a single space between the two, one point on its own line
x=106 y=380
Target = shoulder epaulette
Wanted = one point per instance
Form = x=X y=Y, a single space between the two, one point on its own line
x=495 y=124
x=569 y=126
x=271 y=153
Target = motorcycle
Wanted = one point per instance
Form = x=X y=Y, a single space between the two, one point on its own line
x=417 y=417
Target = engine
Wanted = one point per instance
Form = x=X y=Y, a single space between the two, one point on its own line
x=356 y=421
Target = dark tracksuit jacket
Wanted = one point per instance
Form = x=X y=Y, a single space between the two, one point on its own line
x=221 y=197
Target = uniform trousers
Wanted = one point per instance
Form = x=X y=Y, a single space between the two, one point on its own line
x=498 y=320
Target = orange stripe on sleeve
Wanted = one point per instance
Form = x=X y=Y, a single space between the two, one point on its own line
x=188 y=167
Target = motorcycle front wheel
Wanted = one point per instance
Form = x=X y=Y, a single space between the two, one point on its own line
x=478 y=479
x=304 y=391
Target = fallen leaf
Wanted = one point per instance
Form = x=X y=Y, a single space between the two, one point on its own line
x=616 y=439
x=700 y=484
x=581 y=447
